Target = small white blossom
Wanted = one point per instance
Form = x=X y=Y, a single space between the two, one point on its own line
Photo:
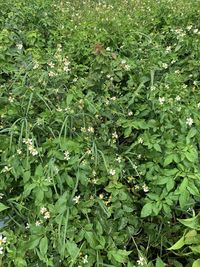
x=47 y=215
x=85 y=259
x=178 y=98
x=130 y=113
x=114 y=135
x=161 y=100
x=19 y=152
x=76 y=199
x=141 y=261
x=38 y=223
x=123 y=61
x=27 y=226
x=1 y=250
x=11 y=99
x=140 y=141
x=195 y=31
x=164 y=65
x=145 y=188
x=189 y=121
x=51 y=65
x=52 y=74
x=198 y=105
x=112 y=172
x=66 y=155
x=119 y=159
x=43 y=210
x=19 y=46
x=108 y=49
x=127 y=67
x=101 y=196
x=6 y=169
x=2 y=239
x=90 y=129
x=1 y=195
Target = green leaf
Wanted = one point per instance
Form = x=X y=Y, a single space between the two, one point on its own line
x=159 y=262
x=196 y=263
x=184 y=198
x=3 y=207
x=119 y=255
x=179 y=244
x=168 y=159
x=43 y=246
x=157 y=147
x=146 y=210
x=193 y=222
x=72 y=249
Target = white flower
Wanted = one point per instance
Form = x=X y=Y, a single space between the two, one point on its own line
x=36 y=66
x=145 y=188
x=178 y=98
x=119 y=159
x=130 y=113
x=43 y=210
x=108 y=49
x=52 y=74
x=168 y=48
x=114 y=135
x=161 y=100
x=66 y=155
x=37 y=223
x=76 y=199
x=19 y=46
x=11 y=99
x=1 y=250
x=101 y=196
x=19 y=152
x=90 y=130
x=47 y=215
x=189 y=27
x=195 y=30
x=85 y=259
x=141 y=261
x=189 y=121
x=27 y=226
x=1 y=195
x=113 y=98
x=140 y=140
x=164 y=65
x=112 y=172
x=6 y=169
x=51 y=65
x=89 y=152
x=123 y=61
x=198 y=105
x=2 y=239
x=127 y=67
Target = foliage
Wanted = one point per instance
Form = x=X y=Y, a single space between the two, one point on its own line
x=99 y=127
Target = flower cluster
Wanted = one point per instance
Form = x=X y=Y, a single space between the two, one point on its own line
x=30 y=146
x=3 y=240
x=45 y=213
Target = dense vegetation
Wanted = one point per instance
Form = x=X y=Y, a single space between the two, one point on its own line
x=99 y=133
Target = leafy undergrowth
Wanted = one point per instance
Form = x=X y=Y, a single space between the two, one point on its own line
x=99 y=133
